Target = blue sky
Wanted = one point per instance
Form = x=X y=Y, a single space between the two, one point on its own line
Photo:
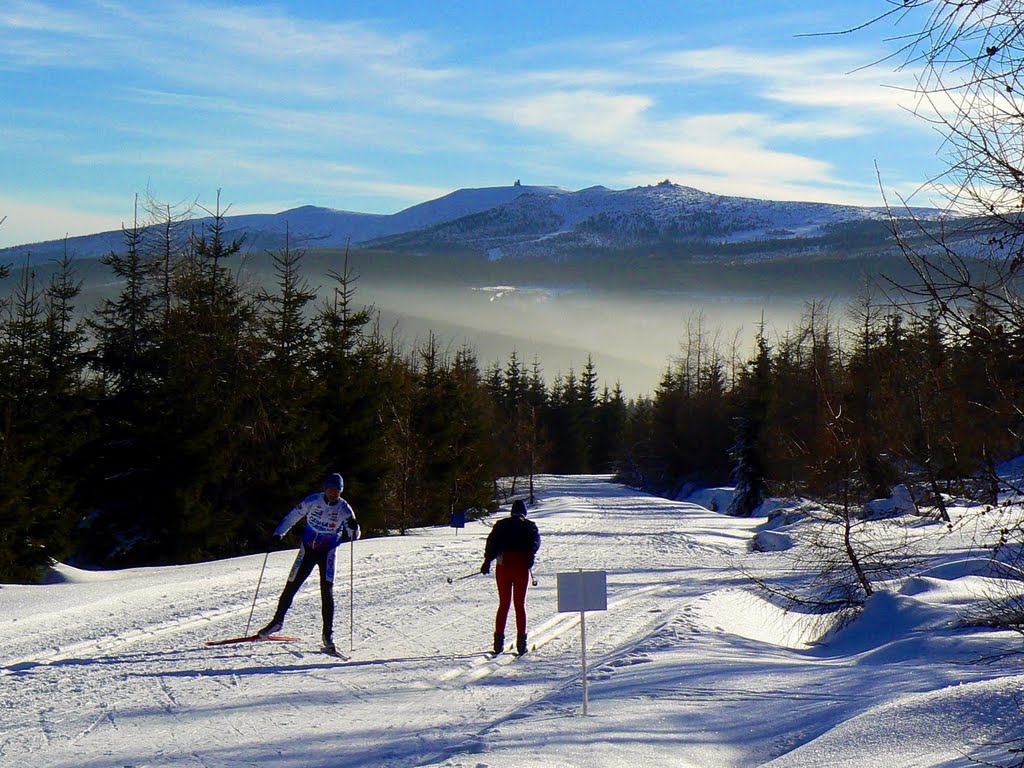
x=378 y=106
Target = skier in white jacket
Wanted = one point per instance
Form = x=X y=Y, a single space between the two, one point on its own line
x=329 y=521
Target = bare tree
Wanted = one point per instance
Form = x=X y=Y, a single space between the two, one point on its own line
x=843 y=550
x=968 y=60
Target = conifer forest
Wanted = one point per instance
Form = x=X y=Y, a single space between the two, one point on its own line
x=179 y=419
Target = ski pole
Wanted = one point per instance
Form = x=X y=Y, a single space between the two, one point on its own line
x=451 y=579
x=351 y=593
x=533 y=579
x=258 y=583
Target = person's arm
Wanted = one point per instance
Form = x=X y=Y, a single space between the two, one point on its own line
x=495 y=540
x=534 y=544
x=352 y=529
x=297 y=513
x=492 y=548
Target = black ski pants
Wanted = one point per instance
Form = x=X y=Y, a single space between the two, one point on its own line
x=306 y=560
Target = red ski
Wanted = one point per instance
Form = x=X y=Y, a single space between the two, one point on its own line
x=255 y=639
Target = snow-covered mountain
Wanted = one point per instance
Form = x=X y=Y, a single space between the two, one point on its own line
x=535 y=221
x=309 y=226
x=560 y=223
x=316 y=227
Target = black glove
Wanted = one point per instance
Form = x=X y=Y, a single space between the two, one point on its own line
x=486 y=567
x=352 y=523
x=275 y=538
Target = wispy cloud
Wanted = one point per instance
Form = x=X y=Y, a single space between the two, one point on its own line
x=265 y=96
x=833 y=77
x=29 y=16
x=583 y=115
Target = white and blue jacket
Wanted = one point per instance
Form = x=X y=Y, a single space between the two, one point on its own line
x=326 y=524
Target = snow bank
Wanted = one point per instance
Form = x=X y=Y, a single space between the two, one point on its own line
x=747 y=614
x=714 y=499
x=954 y=726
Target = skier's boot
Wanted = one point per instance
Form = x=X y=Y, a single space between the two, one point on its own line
x=521 y=644
x=328 y=639
x=272 y=628
x=499 y=643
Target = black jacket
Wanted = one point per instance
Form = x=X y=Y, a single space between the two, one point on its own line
x=512 y=534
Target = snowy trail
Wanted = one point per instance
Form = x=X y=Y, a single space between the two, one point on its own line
x=685 y=667
x=125 y=656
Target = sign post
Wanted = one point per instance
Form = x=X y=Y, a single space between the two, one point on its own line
x=583 y=591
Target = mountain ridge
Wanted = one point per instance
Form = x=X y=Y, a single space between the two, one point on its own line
x=528 y=221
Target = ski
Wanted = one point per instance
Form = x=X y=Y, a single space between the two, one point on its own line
x=510 y=651
x=255 y=639
x=335 y=653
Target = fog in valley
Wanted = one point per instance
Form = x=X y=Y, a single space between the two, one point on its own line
x=558 y=318
x=630 y=336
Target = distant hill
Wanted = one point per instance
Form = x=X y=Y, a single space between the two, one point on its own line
x=538 y=222
x=309 y=226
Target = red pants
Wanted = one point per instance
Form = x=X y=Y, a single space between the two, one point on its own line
x=513 y=577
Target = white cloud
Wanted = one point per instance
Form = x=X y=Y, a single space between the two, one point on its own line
x=835 y=78
x=583 y=115
x=32 y=222
x=28 y=16
x=726 y=144
x=721 y=126
x=266 y=34
x=37 y=34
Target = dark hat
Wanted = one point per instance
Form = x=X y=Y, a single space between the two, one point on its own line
x=334 y=480
x=519 y=508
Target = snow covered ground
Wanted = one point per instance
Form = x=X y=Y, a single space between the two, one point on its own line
x=689 y=666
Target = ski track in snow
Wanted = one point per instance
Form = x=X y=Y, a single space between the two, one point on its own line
x=115 y=672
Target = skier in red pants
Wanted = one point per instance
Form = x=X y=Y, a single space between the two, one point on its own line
x=513 y=542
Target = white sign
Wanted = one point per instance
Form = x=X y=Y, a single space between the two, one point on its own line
x=582 y=591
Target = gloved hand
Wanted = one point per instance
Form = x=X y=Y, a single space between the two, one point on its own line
x=275 y=538
x=486 y=567
x=352 y=523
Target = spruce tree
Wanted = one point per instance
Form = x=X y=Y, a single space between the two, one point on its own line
x=355 y=369
x=281 y=455
x=36 y=484
x=750 y=447
x=121 y=463
x=435 y=431
x=610 y=428
x=474 y=423
x=212 y=350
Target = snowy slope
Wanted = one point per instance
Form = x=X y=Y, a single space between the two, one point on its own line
x=687 y=667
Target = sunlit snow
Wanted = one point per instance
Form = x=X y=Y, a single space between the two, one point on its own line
x=689 y=666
